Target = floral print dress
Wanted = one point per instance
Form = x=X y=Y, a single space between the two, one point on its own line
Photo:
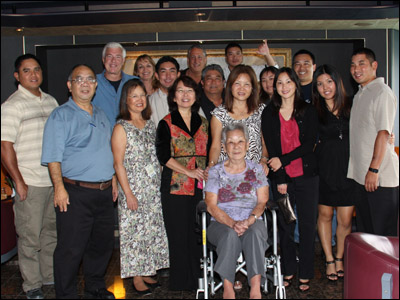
x=143 y=239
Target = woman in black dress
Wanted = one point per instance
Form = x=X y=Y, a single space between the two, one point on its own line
x=332 y=151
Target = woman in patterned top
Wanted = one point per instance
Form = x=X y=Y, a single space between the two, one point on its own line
x=241 y=106
x=236 y=195
x=182 y=138
x=143 y=239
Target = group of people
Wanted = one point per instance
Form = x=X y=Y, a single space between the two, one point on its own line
x=151 y=139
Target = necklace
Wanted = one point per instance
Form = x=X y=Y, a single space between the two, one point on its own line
x=339 y=126
x=241 y=113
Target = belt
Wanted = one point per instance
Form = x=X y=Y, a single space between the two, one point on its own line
x=91 y=185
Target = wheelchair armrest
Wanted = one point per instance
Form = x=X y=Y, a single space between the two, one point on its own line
x=272 y=205
x=201 y=207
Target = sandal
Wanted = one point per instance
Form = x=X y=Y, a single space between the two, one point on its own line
x=287 y=281
x=238 y=285
x=305 y=284
x=332 y=276
x=340 y=273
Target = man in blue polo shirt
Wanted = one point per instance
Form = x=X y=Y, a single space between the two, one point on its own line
x=77 y=150
x=111 y=80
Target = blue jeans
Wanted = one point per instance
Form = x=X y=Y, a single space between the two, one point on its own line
x=334 y=226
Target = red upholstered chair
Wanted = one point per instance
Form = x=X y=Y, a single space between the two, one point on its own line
x=367 y=257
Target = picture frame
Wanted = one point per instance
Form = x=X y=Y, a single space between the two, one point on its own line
x=283 y=57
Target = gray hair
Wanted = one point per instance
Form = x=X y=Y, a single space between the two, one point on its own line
x=234 y=126
x=212 y=67
x=196 y=46
x=114 y=45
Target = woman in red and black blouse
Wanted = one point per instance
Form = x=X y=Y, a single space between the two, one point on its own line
x=290 y=128
x=181 y=145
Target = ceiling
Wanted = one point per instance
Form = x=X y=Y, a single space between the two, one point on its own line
x=119 y=17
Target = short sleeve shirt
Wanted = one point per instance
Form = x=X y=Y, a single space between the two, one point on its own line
x=23 y=116
x=80 y=142
x=237 y=193
x=374 y=109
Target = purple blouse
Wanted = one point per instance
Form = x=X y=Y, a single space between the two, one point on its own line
x=237 y=193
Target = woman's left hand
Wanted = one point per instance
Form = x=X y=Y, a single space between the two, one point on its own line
x=275 y=164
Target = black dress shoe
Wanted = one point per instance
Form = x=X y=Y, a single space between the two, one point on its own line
x=163 y=272
x=141 y=293
x=153 y=286
x=99 y=294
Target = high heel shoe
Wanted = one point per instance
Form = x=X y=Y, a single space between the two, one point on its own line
x=332 y=276
x=305 y=285
x=142 y=293
x=288 y=281
x=340 y=273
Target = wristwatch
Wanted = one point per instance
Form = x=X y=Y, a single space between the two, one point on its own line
x=373 y=170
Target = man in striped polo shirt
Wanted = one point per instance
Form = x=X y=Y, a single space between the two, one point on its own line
x=23 y=116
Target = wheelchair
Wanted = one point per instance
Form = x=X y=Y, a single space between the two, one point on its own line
x=208 y=284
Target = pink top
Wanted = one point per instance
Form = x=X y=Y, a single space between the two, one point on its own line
x=290 y=141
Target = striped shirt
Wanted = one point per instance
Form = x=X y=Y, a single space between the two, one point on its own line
x=23 y=116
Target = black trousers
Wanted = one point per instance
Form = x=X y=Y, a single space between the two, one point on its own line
x=85 y=232
x=303 y=192
x=184 y=248
x=377 y=212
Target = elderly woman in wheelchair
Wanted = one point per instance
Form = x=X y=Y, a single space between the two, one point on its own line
x=236 y=196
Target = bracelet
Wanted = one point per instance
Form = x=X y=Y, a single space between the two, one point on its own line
x=373 y=170
x=255 y=217
x=211 y=162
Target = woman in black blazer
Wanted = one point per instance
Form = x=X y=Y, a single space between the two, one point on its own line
x=290 y=129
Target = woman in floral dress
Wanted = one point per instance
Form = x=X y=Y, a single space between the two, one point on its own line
x=143 y=240
x=182 y=138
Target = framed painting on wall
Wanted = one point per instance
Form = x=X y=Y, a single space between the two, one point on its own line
x=283 y=56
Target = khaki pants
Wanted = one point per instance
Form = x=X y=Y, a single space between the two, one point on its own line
x=35 y=223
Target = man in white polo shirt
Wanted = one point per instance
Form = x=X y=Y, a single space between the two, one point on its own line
x=23 y=116
x=373 y=163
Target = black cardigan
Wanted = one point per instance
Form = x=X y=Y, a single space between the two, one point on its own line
x=308 y=131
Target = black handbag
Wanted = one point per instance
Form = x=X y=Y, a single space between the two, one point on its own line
x=286 y=208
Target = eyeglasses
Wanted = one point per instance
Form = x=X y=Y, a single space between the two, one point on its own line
x=81 y=80
x=189 y=92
